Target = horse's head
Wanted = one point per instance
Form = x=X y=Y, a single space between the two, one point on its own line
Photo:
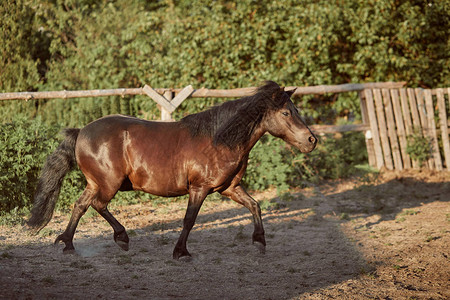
x=284 y=121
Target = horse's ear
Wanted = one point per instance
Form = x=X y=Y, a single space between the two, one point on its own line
x=291 y=92
x=277 y=97
x=277 y=93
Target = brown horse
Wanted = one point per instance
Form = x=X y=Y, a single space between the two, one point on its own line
x=203 y=153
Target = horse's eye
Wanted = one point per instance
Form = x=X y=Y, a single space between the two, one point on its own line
x=285 y=113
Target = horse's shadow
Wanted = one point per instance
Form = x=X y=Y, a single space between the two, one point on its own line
x=400 y=196
x=306 y=248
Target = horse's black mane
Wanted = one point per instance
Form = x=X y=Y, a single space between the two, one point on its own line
x=233 y=122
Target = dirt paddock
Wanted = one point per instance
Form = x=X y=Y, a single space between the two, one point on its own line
x=384 y=238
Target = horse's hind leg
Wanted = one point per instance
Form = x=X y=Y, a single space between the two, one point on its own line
x=120 y=234
x=79 y=209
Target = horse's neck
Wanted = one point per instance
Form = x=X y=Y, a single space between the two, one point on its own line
x=257 y=134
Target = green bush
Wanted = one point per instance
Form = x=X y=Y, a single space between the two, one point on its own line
x=274 y=163
x=338 y=156
x=268 y=165
x=418 y=147
x=24 y=146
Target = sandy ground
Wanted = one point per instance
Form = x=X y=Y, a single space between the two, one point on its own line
x=385 y=237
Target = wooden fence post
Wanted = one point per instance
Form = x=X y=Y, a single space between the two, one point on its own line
x=400 y=128
x=165 y=114
x=414 y=111
x=391 y=128
x=166 y=102
x=417 y=125
x=443 y=124
x=422 y=110
x=367 y=134
x=407 y=118
x=435 y=160
x=374 y=128
x=383 y=129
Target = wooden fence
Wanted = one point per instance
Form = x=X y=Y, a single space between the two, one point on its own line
x=396 y=114
x=390 y=114
x=169 y=99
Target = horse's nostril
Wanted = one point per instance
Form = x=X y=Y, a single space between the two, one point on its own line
x=312 y=139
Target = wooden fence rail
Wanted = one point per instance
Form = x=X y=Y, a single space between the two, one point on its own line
x=200 y=93
x=169 y=99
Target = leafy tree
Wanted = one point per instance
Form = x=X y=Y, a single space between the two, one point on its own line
x=401 y=40
x=223 y=44
x=19 y=54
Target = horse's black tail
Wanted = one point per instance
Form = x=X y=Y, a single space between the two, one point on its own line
x=58 y=164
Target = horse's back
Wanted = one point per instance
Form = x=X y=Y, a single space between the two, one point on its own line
x=127 y=148
x=112 y=124
x=117 y=127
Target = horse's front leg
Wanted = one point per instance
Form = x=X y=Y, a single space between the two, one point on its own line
x=240 y=195
x=196 y=197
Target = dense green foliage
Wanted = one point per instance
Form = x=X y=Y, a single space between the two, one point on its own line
x=86 y=44
x=273 y=163
x=67 y=44
x=23 y=147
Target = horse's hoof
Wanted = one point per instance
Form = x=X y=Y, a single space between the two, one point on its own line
x=122 y=245
x=186 y=258
x=122 y=240
x=182 y=255
x=60 y=238
x=260 y=247
x=68 y=251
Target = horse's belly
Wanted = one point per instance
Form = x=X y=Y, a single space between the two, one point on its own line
x=160 y=183
x=164 y=192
